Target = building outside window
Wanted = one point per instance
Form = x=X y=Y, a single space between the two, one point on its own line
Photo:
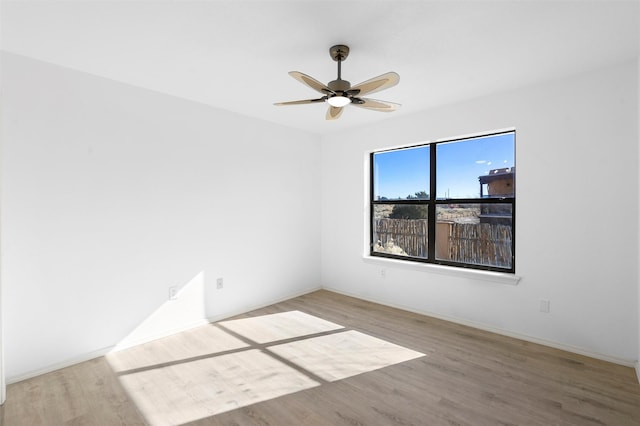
x=448 y=202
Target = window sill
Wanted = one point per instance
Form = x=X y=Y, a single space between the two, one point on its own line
x=496 y=277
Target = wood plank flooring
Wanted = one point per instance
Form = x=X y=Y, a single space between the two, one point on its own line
x=447 y=374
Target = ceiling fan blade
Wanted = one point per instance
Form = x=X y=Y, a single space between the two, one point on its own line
x=305 y=101
x=376 y=105
x=333 y=113
x=378 y=83
x=311 y=82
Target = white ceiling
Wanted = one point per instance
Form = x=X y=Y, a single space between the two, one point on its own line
x=236 y=54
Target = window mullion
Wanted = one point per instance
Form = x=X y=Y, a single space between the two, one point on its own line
x=432 y=205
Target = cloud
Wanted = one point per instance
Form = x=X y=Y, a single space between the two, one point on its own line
x=481 y=161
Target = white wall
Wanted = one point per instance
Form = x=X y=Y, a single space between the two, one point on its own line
x=577 y=214
x=2 y=378
x=638 y=122
x=111 y=194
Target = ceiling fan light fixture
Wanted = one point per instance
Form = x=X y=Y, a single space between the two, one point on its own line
x=338 y=101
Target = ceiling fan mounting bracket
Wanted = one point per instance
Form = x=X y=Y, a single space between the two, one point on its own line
x=339 y=52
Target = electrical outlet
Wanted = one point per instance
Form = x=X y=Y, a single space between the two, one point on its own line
x=545 y=306
x=219 y=283
x=383 y=273
x=173 y=292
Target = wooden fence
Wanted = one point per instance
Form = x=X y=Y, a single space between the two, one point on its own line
x=408 y=234
x=480 y=244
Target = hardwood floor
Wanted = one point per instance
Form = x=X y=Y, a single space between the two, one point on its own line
x=417 y=371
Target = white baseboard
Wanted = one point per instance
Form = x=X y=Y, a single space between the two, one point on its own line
x=552 y=344
x=57 y=366
x=102 y=352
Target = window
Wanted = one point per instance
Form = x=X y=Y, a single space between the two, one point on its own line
x=448 y=202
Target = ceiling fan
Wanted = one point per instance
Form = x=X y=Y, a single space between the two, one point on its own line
x=339 y=93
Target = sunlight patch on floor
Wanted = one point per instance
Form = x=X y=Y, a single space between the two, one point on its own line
x=220 y=367
x=341 y=355
x=200 y=341
x=186 y=392
x=280 y=326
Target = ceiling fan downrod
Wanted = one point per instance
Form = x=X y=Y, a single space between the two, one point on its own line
x=339 y=53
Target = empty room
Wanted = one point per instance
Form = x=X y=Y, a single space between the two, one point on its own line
x=308 y=212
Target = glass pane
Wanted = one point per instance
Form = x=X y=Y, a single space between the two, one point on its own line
x=400 y=229
x=482 y=167
x=478 y=234
x=401 y=174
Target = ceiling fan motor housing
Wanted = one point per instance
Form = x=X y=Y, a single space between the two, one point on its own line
x=339 y=85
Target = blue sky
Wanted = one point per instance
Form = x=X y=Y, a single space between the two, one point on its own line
x=400 y=173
